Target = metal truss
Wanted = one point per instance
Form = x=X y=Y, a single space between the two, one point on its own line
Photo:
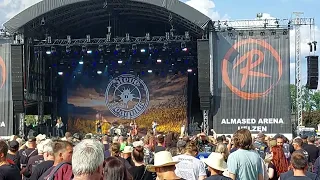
x=261 y=24
x=111 y=41
x=206 y=121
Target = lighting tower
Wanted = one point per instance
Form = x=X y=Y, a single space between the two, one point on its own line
x=297 y=24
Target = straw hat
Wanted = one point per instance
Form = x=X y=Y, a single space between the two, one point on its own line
x=161 y=159
x=127 y=150
x=216 y=161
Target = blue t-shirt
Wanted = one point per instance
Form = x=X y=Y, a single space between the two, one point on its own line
x=245 y=164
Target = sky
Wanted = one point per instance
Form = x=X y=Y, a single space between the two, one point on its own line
x=231 y=10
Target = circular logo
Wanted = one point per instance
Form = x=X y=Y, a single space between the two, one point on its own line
x=249 y=69
x=3 y=73
x=127 y=96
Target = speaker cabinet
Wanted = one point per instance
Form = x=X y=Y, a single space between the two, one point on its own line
x=313 y=72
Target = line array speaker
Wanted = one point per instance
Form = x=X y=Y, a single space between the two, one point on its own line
x=204 y=74
x=17 y=78
x=313 y=72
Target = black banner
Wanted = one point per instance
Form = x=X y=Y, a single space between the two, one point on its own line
x=6 y=105
x=252 y=82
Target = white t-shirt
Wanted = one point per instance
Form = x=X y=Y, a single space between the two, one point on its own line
x=189 y=167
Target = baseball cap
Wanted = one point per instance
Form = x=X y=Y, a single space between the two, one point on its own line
x=13 y=144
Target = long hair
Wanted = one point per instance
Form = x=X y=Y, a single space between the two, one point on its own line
x=279 y=160
x=115 y=170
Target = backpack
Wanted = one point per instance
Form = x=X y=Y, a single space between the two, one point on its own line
x=55 y=170
x=27 y=156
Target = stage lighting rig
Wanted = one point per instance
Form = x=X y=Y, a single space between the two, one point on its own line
x=68 y=49
x=84 y=49
x=148 y=37
x=53 y=49
x=88 y=38
x=118 y=47
x=127 y=37
x=69 y=39
x=100 y=48
x=151 y=47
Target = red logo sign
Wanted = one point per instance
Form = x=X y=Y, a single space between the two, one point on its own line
x=3 y=72
x=249 y=69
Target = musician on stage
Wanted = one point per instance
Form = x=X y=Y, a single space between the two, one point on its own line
x=154 y=127
x=99 y=126
x=59 y=128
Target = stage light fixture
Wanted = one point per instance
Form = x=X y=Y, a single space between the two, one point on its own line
x=127 y=37
x=149 y=71
x=165 y=47
x=134 y=47
x=187 y=35
x=159 y=60
x=49 y=40
x=84 y=49
x=167 y=36
x=101 y=60
x=118 y=47
x=99 y=72
x=48 y=52
x=151 y=47
x=69 y=39
x=81 y=62
x=120 y=62
x=108 y=50
x=53 y=49
x=60 y=73
x=88 y=38
x=143 y=50
x=189 y=70
x=68 y=49
x=148 y=36
x=100 y=48
x=89 y=51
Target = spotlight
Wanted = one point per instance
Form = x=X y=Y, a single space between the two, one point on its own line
x=81 y=62
x=89 y=52
x=53 y=49
x=143 y=50
x=183 y=45
x=60 y=73
x=159 y=61
x=134 y=47
x=48 y=52
x=84 y=49
x=68 y=49
x=100 y=48
x=185 y=49
x=149 y=71
x=151 y=47
x=99 y=72
x=119 y=62
x=189 y=70
x=118 y=47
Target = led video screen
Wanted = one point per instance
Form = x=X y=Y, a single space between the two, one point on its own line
x=124 y=98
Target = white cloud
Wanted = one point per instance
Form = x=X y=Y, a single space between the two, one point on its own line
x=206 y=7
x=10 y=8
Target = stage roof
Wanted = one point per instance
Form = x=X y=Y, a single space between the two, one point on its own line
x=77 y=17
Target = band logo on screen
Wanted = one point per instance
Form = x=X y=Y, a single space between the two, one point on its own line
x=252 y=59
x=127 y=96
x=3 y=73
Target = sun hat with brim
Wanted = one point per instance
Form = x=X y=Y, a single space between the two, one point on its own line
x=127 y=150
x=216 y=161
x=162 y=159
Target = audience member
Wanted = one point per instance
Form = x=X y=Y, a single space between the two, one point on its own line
x=7 y=171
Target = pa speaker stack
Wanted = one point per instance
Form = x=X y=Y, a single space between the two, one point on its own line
x=204 y=74
x=313 y=72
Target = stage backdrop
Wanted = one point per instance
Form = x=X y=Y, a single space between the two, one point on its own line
x=6 y=106
x=252 y=82
x=127 y=97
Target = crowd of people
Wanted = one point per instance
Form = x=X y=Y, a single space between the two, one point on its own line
x=160 y=157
